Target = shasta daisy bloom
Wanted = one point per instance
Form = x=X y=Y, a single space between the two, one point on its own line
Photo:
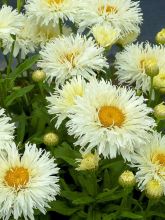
x=41 y=34
x=113 y=120
x=132 y=64
x=66 y=57
x=105 y=35
x=64 y=98
x=46 y=11
x=121 y=14
x=150 y=161
x=27 y=182
x=7 y=129
x=129 y=38
x=10 y=23
x=24 y=42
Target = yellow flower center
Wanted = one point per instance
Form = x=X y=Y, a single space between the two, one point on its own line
x=70 y=57
x=110 y=115
x=108 y=9
x=17 y=177
x=144 y=63
x=159 y=158
x=53 y=2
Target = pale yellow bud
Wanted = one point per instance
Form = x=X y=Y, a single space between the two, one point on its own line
x=51 y=139
x=38 y=76
x=105 y=35
x=127 y=179
x=150 y=67
x=129 y=37
x=154 y=189
x=89 y=161
x=159 y=82
x=160 y=37
x=159 y=111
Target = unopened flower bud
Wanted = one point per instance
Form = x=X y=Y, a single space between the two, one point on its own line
x=51 y=139
x=154 y=189
x=159 y=82
x=159 y=111
x=151 y=68
x=89 y=161
x=38 y=76
x=160 y=37
x=127 y=179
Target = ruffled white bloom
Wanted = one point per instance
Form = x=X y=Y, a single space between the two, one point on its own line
x=27 y=182
x=66 y=57
x=6 y=130
x=64 y=98
x=114 y=120
x=129 y=38
x=150 y=161
x=132 y=61
x=10 y=24
x=105 y=35
x=24 y=42
x=41 y=34
x=46 y=11
x=121 y=14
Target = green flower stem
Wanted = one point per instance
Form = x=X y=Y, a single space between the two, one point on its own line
x=151 y=91
x=60 y=26
x=41 y=88
x=10 y=58
x=150 y=203
x=5 y=2
x=19 y=5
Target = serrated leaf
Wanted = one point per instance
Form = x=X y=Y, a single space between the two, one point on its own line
x=17 y=94
x=131 y=215
x=27 y=64
x=63 y=208
x=66 y=153
x=83 y=200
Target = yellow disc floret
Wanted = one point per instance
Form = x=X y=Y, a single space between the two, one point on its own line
x=111 y=116
x=17 y=177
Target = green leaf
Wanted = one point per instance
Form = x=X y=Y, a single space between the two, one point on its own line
x=66 y=153
x=17 y=94
x=63 y=208
x=72 y=195
x=21 y=127
x=109 y=195
x=27 y=64
x=83 y=200
x=131 y=215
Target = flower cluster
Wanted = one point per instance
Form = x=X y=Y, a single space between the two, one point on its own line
x=65 y=101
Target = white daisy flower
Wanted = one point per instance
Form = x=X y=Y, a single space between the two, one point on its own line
x=105 y=35
x=46 y=11
x=114 y=120
x=122 y=14
x=24 y=42
x=66 y=57
x=131 y=64
x=27 y=182
x=129 y=38
x=6 y=129
x=41 y=34
x=64 y=98
x=150 y=161
x=10 y=24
